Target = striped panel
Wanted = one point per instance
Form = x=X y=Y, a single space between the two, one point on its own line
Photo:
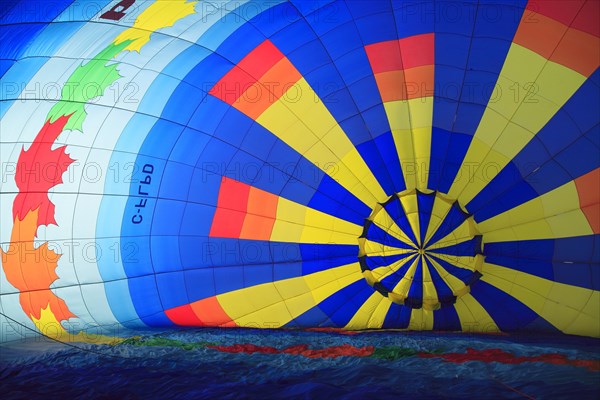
x=511 y=122
x=282 y=301
x=299 y=118
x=555 y=214
x=246 y=212
x=563 y=150
x=570 y=309
x=404 y=73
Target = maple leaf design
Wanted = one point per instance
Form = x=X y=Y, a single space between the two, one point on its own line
x=39 y=169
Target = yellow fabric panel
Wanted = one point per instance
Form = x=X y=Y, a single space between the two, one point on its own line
x=371 y=314
x=377 y=249
x=383 y=272
x=473 y=317
x=466 y=262
x=303 y=139
x=319 y=235
x=434 y=223
x=486 y=161
x=586 y=324
x=410 y=122
x=306 y=105
x=560 y=200
x=274 y=315
x=290 y=211
x=378 y=317
x=387 y=223
x=421 y=320
x=403 y=286
x=569 y=224
x=536 y=112
x=421 y=115
x=587 y=321
x=429 y=291
x=439 y=211
x=403 y=139
x=464 y=232
x=410 y=114
x=521 y=65
x=351 y=171
x=398 y=115
x=277 y=303
x=304 y=123
x=256 y=299
x=300 y=224
x=340 y=277
x=453 y=282
x=547 y=87
x=284 y=231
x=526 y=95
x=342 y=230
x=571 y=309
x=411 y=210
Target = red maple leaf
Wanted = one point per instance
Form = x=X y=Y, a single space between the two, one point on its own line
x=38 y=170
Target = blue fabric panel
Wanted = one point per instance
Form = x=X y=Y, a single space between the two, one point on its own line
x=453 y=219
x=446 y=319
x=397 y=317
x=463 y=274
x=425 y=206
x=341 y=306
x=416 y=288
x=144 y=293
x=559 y=153
x=468 y=248
x=506 y=311
x=394 y=209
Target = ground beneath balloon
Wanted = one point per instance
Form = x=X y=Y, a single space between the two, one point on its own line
x=236 y=363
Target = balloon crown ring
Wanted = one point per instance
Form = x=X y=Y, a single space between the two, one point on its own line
x=421 y=249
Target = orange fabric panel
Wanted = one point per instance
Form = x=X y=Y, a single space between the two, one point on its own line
x=551 y=37
x=210 y=312
x=419 y=82
x=412 y=83
x=261 y=215
x=32 y=270
x=257 y=228
x=592 y=213
x=578 y=51
x=391 y=85
x=262 y=203
x=588 y=188
x=542 y=36
x=268 y=89
x=403 y=68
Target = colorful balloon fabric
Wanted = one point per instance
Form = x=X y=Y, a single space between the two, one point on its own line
x=425 y=165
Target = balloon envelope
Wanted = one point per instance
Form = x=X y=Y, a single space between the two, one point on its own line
x=428 y=165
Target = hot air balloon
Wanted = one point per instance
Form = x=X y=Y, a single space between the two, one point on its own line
x=422 y=165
